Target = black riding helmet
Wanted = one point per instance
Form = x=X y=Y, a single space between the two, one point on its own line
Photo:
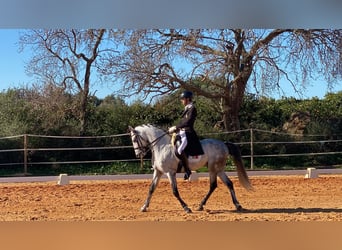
x=186 y=94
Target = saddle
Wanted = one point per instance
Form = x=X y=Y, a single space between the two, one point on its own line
x=195 y=154
x=194 y=147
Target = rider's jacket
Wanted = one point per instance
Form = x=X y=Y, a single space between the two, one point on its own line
x=188 y=118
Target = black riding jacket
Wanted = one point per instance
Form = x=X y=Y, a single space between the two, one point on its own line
x=188 y=118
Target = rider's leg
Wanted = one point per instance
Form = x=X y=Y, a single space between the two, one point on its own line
x=184 y=142
x=182 y=156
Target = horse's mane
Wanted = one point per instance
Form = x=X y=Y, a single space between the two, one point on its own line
x=155 y=130
x=149 y=125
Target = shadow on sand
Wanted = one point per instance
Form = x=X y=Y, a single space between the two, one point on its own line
x=279 y=210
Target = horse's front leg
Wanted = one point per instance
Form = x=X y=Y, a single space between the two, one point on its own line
x=156 y=177
x=173 y=182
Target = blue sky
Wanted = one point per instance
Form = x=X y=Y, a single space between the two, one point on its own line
x=11 y=62
x=12 y=65
x=12 y=71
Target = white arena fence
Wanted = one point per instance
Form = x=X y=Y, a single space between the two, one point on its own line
x=26 y=150
x=314 y=145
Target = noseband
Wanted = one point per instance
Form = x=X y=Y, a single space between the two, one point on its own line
x=139 y=140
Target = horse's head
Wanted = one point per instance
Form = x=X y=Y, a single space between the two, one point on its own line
x=140 y=144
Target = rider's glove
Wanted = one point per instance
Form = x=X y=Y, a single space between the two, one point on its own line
x=172 y=129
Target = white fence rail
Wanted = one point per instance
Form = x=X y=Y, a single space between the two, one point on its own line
x=26 y=149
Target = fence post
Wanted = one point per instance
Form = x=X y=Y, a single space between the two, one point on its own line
x=252 y=149
x=25 y=154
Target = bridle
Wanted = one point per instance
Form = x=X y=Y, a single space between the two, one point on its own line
x=139 y=140
x=144 y=149
x=149 y=145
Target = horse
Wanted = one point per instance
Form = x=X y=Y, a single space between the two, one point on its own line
x=147 y=138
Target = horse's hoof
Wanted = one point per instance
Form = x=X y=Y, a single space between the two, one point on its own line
x=188 y=210
x=143 y=209
x=239 y=208
x=200 y=209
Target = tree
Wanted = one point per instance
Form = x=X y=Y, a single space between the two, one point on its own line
x=158 y=62
x=51 y=110
x=110 y=116
x=13 y=113
x=67 y=59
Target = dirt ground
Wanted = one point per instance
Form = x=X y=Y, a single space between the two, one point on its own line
x=281 y=198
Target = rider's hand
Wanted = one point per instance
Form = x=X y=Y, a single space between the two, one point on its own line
x=172 y=129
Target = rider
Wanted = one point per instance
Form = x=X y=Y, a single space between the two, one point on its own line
x=185 y=128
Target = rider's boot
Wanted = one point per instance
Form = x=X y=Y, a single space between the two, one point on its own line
x=185 y=164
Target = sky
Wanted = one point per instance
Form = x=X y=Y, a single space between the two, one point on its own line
x=12 y=65
x=12 y=71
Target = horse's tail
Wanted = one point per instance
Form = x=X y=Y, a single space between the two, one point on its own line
x=241 y=171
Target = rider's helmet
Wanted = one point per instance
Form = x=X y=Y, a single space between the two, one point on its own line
x=186 y=94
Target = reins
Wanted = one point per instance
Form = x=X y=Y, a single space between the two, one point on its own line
x=148 y=147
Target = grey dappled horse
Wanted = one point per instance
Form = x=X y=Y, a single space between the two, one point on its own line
x=148 y=137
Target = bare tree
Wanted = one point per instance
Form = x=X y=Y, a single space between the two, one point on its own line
x=227 y=61
x=67 y=59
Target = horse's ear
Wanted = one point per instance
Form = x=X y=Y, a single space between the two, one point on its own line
x=130 y=128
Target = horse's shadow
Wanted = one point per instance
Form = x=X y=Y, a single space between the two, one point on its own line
x=279 y=210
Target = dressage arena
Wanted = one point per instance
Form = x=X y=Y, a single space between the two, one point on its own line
x=276 y=198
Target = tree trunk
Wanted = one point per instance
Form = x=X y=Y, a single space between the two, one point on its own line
x=84 y=99
x=230 y=115
x=83 y=114
x=231 y=104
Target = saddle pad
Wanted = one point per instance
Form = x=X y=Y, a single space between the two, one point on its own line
x=195 y=158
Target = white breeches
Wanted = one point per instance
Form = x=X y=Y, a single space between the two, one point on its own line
x=184 y=142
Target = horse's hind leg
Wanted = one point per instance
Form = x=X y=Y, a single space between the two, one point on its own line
x=156 y=177
x=229 y=184
x=213 y=186
x=173 y=181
